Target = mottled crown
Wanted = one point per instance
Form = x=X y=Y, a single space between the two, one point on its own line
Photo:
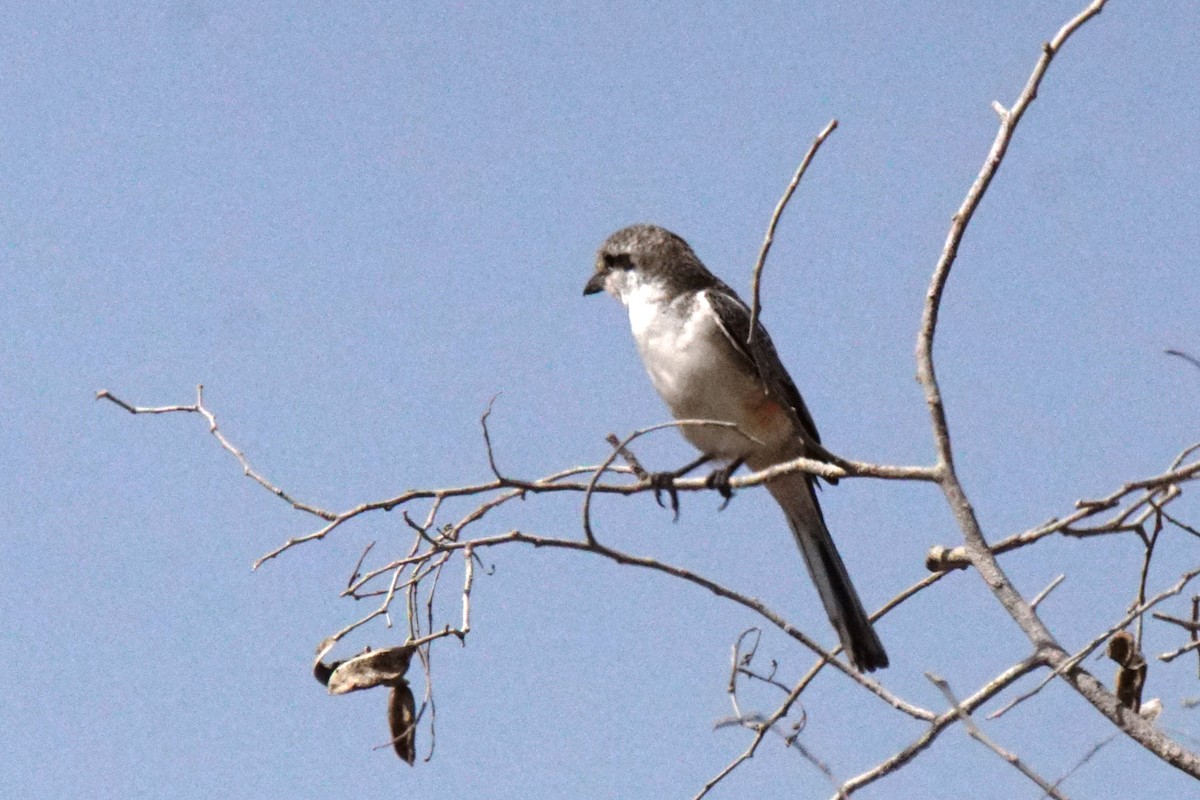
x=657 y=254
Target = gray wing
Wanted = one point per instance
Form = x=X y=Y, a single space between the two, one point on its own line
x=734 y=317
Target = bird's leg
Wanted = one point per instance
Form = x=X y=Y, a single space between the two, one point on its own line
x=719 y=480
x=665 y=482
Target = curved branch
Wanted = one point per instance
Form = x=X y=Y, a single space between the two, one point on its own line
x=943 y=721
x=757 y=606
x=980 y=555
x=755 y=295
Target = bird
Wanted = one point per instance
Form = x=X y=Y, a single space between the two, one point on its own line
x=693 y=335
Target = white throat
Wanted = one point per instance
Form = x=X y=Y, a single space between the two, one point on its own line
x=644 y=299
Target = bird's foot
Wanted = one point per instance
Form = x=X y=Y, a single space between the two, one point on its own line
x=665 y=482
x=662 y=482
x=719 y=479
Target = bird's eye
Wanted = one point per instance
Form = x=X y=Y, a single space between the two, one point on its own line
x=618 y=261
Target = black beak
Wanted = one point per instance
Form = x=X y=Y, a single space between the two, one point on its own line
x=595 y=283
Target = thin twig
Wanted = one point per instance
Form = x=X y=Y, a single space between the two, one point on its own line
x=736 y=662
x=804 y=682
x=247 y=470
x=978 y=735
x=755 y=296
x=1085 y=759
x=622 y=446
x=943 y=720
x=629 y=457
x=487 y=437
x=760 y=733
x=355 y=573
x=1044 y=593
x=1174 y=654
x=1195 y=362
x=1144 y=574
x=1065 y=666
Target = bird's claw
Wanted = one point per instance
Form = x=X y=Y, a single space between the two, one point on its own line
x=719 y=479
x=665 y=482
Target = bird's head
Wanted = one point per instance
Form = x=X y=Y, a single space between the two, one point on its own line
x=645 y=254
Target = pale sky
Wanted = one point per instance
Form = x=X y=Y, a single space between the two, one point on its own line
x=356 y=223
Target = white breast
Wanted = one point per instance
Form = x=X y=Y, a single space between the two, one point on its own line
x=696 y=370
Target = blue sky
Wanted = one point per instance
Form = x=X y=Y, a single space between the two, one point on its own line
x=356 y=224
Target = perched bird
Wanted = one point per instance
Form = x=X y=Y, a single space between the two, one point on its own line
x=693 y=334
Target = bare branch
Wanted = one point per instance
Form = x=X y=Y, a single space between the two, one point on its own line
x=620 y=557
x=941 y=274
x=1086 y=758
x=199 y=408
x=978 y=735
x=487 y=438
x=737 y=663
x=978 y=552
x=356 y=572
x=1066 y=666
x=1044 y=593
x=755 y=296
x=1195 y=362
x=1186 y=624
x=943 y=720
x=804 y=682
x=1156 y=491
x=1174 y=654
x=1148 y=540
x=630 y=459
x=556 y=482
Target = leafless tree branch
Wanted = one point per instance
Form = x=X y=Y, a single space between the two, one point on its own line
x=978 y=552
x=199 y=408
x=755 y=292
x=1044 y=593
x=978 y=735
x=1137 y=507
x=939 y=724
x=1157 y=491
x=1068 y=666
x=1174 y=654
x=1195 y=362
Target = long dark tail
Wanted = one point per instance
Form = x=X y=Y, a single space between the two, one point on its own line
x=796 y=496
